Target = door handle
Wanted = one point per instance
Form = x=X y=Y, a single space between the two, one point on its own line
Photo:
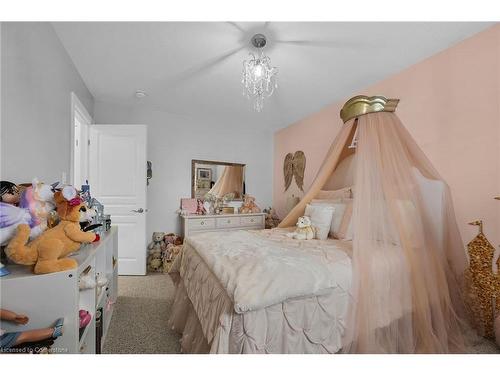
x=139 y=211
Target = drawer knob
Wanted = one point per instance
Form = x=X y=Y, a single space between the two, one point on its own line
x=228 y=221
x=202 y=223
x=251 y=220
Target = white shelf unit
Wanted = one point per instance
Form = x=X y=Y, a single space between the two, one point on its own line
x=45 y=298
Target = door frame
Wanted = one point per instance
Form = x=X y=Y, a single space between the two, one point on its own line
x=77 y=107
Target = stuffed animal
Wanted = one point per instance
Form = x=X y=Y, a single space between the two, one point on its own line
x=272 y=220
x=38 y=199
x=169 y=238
x=173 y=251
x=155 y=262
x=35 y=206
x=249 y=206
x=101 y=281
x=50 y=250
x=155 y=249
x=304 y=230
x=10 y=217
x=172 y=238
x=9 y=193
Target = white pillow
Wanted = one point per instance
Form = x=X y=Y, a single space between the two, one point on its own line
x=338 y=214
x=321 y=218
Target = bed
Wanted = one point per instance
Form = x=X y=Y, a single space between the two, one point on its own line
x=261 y=292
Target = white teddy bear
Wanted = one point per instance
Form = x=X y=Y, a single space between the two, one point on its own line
x=304 y=230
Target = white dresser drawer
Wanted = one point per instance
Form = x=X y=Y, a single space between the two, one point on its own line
x=196 y=224
x=201 y=224
x=250 y=221
x=228 y=222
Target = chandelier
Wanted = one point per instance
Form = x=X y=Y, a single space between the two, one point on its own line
x=259 y=77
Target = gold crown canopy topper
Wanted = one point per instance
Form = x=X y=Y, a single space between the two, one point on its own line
x=361 y=105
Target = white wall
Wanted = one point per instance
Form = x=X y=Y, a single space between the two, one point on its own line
x=37 y=77
x=174 y=140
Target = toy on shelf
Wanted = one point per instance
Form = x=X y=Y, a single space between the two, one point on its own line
x=3 y=270
x=9 y=193
x=10 y=341
x=85 y=318
x=86 y=281
x=99 y=218
x=101 y=281
x=49 y=251
x=249 y=206
x=10 y=217
x=38 y=199
x=85 y=193
x=31 y=207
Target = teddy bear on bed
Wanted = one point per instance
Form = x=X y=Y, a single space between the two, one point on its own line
x=49 y=252
x=304 y=230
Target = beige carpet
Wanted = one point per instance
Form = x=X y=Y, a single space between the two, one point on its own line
x=139 y=323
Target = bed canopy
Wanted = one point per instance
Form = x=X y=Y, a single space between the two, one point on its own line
x=408 y=257
x=231 y=181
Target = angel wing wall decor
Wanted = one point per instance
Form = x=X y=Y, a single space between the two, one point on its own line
x=294 y=165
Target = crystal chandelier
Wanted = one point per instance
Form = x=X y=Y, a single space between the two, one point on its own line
x=259 y=77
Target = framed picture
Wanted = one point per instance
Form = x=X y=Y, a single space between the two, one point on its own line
x=204 y=174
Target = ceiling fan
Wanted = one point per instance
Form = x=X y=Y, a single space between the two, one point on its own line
x=256 y=42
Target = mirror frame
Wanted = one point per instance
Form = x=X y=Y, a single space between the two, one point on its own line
x=198 y=161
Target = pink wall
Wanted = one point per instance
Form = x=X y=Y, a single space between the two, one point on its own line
x=450 y=104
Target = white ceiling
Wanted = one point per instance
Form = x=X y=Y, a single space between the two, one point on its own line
x=194 y=68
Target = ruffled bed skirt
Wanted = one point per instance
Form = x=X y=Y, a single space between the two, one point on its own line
x=299 y=326
x=185 y=321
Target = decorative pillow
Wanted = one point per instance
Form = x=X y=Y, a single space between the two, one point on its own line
x=321 y=218
x=345 y=229
x=339 y=207
x=335 y=194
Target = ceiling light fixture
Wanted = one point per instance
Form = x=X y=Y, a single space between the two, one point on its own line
x=140 y=94
x=260 y=79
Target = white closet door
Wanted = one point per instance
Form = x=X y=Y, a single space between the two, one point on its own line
x=118 y=180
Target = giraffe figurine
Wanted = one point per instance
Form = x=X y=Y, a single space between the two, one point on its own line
x=482 y=283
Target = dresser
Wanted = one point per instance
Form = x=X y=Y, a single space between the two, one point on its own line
x=204 y=223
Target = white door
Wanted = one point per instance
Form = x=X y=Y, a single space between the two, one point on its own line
x=81 y=121
x=118 y=180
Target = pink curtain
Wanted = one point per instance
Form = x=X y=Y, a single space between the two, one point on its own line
x=406 y=291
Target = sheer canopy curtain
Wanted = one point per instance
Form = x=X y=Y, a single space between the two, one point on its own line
x=406 y=272
x=406 y=286
x=231 y=181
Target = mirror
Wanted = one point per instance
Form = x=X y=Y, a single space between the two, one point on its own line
x=218 y=178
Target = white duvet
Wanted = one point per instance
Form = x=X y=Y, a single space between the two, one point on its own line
x=261 y=268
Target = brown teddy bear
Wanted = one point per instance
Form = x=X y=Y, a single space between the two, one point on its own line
x=49 y=251
x=249 y=206
x=156 y=248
